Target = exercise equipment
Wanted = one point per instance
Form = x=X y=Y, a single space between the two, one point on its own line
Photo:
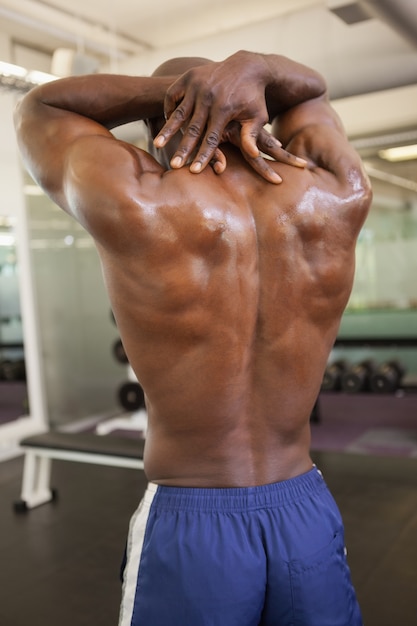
x=42 y=448
x=332 y=378
x=131 y=396
x=119 y=352
x=357 y=377
x=12 y=370
x=387 y=377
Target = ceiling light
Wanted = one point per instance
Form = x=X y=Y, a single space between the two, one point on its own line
x=9 y=69
x=39 y=78
x=7 y=239
x=17 y=78
x=399 y=153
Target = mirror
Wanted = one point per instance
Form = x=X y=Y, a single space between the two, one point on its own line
x=13 y=391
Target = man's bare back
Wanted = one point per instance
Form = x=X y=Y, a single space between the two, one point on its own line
x=227 y=290
x=228 y=296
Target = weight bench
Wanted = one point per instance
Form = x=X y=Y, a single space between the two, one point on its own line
x=81 y=447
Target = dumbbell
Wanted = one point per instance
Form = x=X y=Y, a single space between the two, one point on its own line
x=387 y=377
x=357 y=377
x=4 y=367
x=332 y=377
x=13 y=370
x=131 y=396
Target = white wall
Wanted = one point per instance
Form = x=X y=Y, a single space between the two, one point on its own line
x=11 y=189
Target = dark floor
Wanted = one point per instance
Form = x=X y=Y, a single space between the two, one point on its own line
x=59 y=563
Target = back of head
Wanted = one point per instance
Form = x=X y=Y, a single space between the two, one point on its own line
x=179 y=65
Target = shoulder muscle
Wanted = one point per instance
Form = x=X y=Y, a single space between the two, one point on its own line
x=103 y=177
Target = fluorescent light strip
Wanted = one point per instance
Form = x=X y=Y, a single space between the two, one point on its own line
x=9 y=69
x=7 y=240
x=17 y=78
x=399 y=153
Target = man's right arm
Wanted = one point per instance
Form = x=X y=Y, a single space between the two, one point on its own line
x=75 y=115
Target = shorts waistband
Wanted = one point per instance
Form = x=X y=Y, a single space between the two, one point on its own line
x=238 y=498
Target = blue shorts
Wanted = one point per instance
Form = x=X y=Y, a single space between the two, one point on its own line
x=272 y=555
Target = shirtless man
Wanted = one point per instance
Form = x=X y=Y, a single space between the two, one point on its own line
x=228 y=287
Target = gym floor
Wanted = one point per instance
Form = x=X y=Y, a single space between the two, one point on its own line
x=60 y=562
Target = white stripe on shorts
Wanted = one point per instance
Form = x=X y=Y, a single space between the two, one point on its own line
x=136 y=536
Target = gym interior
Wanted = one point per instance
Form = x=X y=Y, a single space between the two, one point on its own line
x=72 y=418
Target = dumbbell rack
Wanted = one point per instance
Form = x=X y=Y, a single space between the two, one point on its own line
x=19 y=363
x=130 y=396
x=407 y=384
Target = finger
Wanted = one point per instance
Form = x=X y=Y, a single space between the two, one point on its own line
x=249 y=134
x=192 y=135
x=174 y=123
x=169 y=129
x=186 y=147
x=269 y=145
x=258 y=163
x=218 y=161
x=174 y=94
x=208 y=147
x=262 y=167
x=291 y=159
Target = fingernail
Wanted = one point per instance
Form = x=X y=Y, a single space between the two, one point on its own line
x=196 y=167
x=158 y=142
x=176 y=162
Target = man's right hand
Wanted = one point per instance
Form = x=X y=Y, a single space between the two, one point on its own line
x=219 y=102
